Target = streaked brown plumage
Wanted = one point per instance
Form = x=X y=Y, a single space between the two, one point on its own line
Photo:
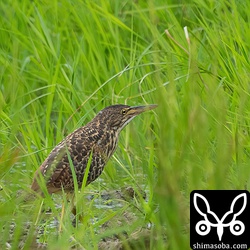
x=99 y=136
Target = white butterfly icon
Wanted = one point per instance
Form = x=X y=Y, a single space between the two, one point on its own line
x=203 y=227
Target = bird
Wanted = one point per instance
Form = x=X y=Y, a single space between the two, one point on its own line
x=92 y=144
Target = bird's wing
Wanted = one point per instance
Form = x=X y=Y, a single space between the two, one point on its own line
x=45 y=171
x=55 y=170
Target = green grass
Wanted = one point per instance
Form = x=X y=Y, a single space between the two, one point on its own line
x=63 y=61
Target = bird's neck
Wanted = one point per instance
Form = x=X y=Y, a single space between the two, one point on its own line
x=112 y=137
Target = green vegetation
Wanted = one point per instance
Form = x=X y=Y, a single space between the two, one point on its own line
x=57 y=56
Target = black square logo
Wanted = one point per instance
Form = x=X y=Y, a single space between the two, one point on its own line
x=219 y=219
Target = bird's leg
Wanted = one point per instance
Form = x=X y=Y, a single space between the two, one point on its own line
x=76 y=210
x=68 y=199
x=61 y=217
x=72 y=205
x=77 y=216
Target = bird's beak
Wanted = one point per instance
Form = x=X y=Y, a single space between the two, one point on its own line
x=140 y=109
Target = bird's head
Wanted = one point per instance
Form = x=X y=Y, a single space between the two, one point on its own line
x=116 y=117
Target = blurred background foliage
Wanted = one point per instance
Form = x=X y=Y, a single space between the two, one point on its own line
x=63 y=61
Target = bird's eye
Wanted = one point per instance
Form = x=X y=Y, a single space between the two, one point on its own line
x=124 y=111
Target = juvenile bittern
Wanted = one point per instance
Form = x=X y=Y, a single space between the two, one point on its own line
x=96 y=141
